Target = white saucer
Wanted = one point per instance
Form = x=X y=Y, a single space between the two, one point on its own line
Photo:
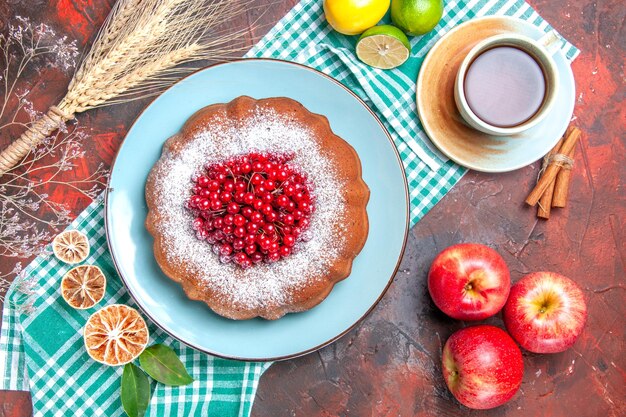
x=443 y=124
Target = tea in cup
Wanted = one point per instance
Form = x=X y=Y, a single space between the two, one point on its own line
x=508 y=83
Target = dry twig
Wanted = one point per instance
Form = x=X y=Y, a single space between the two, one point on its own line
x=138 y=53
x=28 y=216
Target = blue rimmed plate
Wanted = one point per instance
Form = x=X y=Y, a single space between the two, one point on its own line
x=192 y=322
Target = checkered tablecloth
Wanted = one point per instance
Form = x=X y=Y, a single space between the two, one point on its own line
x=41 y=346
x=303 y=36
x=50 y=356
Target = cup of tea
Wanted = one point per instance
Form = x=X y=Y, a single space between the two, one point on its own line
x=508 y=83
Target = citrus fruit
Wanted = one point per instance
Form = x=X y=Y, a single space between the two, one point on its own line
x=383 y=47
x=416 y=17
x=71 y=246
x=115 y=335
x=352 y=17
x=83 y=286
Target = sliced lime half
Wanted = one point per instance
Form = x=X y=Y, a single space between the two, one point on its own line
x=383 y=47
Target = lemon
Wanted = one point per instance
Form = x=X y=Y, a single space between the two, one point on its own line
x=416 y=17
x=383 y=47
x=352 y=17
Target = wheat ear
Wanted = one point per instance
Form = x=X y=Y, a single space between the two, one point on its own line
x=136 y=54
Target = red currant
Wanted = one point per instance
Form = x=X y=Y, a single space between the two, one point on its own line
x=269 y=185
x=289 y=189
x=251 y=208
x=195 y=200
x=204 y=204
x=271 y=217
x=216 y=204
x=239 y=231
x=282 y=175
x=226 y=196
x=256 y=217
x=240 y=257
x=258 y=166
x=229 y=185
x=289 y=240
x=250 y=249
x=257 y=204
x=282 y=200
x=239 y=220
x=238 y=244
x=226 y=249
x=256 y=179
x=240 y=196
x=273 y=257
x=246 y=167
x=252 y=227
x=202 y=181
x=218 y=222
x=247 y=211
x=248 y=198
x=232 y=208
x=213 y=185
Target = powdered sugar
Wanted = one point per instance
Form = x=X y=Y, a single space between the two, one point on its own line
x=264 y=285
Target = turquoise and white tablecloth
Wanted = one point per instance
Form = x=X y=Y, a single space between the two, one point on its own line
x=41 y=346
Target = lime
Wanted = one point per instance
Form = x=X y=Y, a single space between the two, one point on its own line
x=352 y=17
x=416 y=17
x=383 y=47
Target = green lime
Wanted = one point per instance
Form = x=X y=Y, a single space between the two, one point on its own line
x=383 y=47
x=416 y=17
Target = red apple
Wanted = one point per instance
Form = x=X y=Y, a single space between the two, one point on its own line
x=545 y=312
x=469 y=281
x=482 y=366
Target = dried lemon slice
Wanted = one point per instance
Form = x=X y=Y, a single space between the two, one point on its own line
x=115 y=335
x=71 y=246
x=83 y=286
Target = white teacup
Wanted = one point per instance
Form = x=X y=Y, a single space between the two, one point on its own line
x=541 y=51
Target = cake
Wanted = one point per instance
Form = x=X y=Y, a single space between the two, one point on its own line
x=257 y=208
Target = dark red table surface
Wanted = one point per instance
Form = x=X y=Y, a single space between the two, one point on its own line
x=390 y=364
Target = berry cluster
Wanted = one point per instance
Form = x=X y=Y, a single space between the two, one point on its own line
x=251 y=208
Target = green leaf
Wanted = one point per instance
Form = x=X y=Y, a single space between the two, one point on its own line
x=162 y=364
x=135 y=391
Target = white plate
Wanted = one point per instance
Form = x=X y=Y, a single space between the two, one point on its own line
x=466 y=146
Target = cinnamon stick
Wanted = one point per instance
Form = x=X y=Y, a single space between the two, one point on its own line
x=549 y=174
x=561 y=184
x=545 y=202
